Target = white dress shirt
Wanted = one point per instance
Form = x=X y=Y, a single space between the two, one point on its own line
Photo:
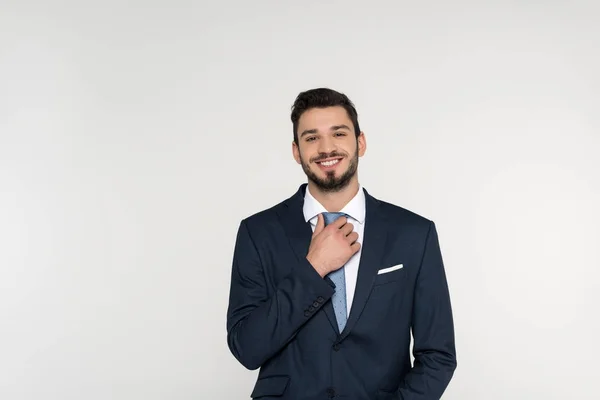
x=356 y=210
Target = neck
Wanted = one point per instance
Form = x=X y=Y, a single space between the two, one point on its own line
x=335 y=201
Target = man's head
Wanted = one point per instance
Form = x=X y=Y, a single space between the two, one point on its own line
x=327 y=138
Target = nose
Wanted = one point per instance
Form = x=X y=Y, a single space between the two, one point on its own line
x=326 y=144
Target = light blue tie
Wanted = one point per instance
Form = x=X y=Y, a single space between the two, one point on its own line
x=338 y=277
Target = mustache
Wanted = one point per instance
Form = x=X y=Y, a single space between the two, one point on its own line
x=325 y=156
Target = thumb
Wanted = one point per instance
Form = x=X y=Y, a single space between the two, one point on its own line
x=320 y=225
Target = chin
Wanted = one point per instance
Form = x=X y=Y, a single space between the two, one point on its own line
x=327 y=174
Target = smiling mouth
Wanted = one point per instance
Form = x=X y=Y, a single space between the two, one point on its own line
x=329 y=164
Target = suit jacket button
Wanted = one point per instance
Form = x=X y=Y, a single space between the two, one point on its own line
x=330 y=392
x=306 y=313
x=316 y=304
x=311 y=309
x=336 y=347
x=320 y=299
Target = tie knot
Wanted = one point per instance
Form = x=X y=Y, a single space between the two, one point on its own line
x=330 y=217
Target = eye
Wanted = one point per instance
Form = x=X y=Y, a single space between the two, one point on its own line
x=310 y=139
x=340 y=134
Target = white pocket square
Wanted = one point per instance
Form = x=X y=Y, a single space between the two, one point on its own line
x=390 y=269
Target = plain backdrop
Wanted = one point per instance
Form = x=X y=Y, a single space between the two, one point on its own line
x=134 y=137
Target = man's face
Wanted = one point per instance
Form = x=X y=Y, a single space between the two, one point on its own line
x=328 y=148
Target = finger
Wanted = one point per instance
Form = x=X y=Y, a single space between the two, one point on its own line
x=352 y=237
x=320 y=224
x=347 y=228
x=355 y=247
x=341 y=221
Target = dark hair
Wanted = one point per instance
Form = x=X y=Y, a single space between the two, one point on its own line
x=321 y=98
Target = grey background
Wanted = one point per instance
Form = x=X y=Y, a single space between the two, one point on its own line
x=134 y=136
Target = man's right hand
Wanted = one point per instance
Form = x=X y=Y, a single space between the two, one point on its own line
x=332 y=246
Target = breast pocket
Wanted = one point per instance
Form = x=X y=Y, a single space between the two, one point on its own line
x=391 y=274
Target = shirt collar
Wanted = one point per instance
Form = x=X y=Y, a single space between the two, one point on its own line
x=355 y=207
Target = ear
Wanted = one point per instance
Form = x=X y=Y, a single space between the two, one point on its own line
x=362 y=144
x=296 y=152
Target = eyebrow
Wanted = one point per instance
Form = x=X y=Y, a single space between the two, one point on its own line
x=333 y=128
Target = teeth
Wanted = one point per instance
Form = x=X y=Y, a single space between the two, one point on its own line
x=330 y=163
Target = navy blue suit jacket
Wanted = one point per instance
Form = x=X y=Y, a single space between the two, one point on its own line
x=280 y=317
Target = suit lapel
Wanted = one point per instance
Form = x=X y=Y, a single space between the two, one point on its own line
x=372 y=252
x=299 y=234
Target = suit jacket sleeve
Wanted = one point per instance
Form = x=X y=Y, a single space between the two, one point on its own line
x=261 y=321
x=433 y=329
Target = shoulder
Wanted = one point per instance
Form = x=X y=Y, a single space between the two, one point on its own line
x=265 y=218
x=401 y=216
x=274 y=212
x=406 y=225
x=394 y=211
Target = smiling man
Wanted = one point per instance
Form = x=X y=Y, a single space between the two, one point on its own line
x=328 y=285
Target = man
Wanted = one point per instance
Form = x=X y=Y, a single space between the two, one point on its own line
x=327 y=286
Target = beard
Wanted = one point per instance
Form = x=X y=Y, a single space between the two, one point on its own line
x=331 y=183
